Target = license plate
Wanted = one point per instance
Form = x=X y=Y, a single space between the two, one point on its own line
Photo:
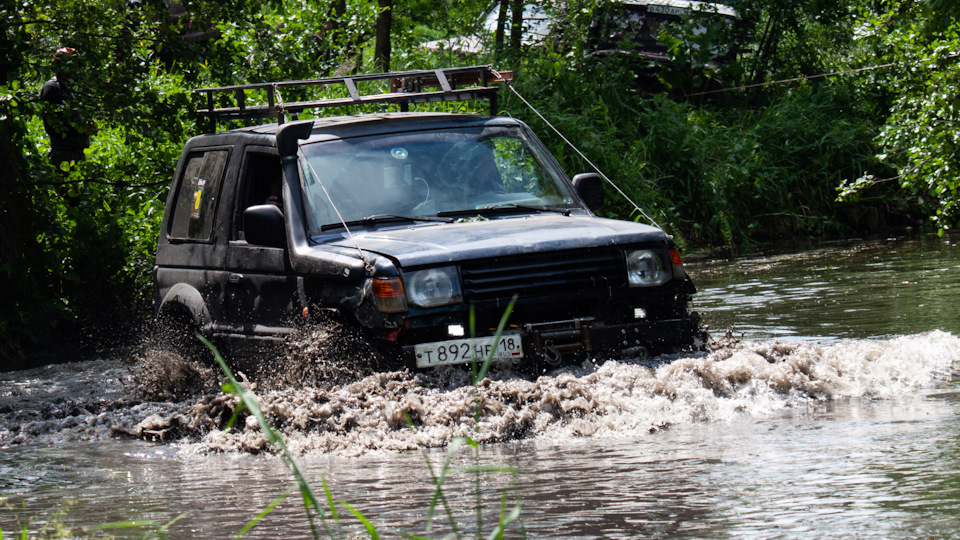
x=462 y=351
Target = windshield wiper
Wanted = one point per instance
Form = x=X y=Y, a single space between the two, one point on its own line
x=564 y=211
x=383 y=218
x=506 y=206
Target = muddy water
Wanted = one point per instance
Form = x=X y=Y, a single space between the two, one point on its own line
x=836 y=416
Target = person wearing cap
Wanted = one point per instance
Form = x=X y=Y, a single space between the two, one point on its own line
x=68 y=130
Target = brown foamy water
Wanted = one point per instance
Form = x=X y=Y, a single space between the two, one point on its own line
x=401 y=410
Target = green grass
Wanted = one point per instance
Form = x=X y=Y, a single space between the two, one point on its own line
x=321 y=513
x=325 y=510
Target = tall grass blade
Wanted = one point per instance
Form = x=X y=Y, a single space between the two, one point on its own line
x=489 y=469
x=478 y=376
x=505 y=522
x=253 y=522
x=438 y=482
x=249 y=400
x=438 y=494
x=371 y=530
x=170 y=523
x=331 y=505
x=473 y=333
x=118 y=525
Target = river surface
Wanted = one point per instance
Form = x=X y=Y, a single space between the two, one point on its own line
x=831 y=411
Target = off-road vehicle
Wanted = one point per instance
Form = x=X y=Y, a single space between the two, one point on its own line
x=420 y=228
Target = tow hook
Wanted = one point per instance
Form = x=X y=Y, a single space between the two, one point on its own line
x=551 y=354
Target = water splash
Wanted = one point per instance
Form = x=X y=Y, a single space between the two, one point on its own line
x=609 y=399
x=370 y=412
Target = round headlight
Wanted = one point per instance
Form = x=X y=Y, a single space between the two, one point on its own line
x=644 y=268
x=433 y=287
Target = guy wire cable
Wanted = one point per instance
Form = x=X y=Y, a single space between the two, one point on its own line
x=335 y=209
x=313 y=171
x=577 y=150
x=817 y=76
x=366 y=263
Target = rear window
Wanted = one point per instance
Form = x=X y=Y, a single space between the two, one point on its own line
x=197 y=194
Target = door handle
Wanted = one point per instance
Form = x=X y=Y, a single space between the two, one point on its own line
x=235 y=278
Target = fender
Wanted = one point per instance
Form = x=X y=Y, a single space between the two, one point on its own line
x=184 y=298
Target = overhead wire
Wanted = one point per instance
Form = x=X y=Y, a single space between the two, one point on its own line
x=809 y=77
x=334 y=206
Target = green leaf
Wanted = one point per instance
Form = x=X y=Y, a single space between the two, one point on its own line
x=371 y=530
x=330 y=504
x=119 y=525
x=269 y=508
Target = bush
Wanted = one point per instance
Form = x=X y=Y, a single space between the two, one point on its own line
x=750 y=168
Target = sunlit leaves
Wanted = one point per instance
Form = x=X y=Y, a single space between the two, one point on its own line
x=921 y=137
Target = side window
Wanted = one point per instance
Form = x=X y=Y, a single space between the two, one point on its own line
x=261 y=184
x=197 y=195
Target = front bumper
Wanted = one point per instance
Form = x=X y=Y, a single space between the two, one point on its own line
x=554 y=342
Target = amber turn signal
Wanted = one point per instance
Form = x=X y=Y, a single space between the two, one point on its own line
x=388 y=294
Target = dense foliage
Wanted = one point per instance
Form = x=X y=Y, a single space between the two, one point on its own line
x=713 y=165
x=920 y=139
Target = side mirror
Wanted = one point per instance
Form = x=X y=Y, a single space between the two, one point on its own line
x=263 y=226
x=590 y=189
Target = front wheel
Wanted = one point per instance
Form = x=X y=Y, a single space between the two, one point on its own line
x=331 y=349
x=177 y=333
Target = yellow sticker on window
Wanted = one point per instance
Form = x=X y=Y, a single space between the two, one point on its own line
x=195 y=213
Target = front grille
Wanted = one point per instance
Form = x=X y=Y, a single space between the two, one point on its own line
x=543 y=273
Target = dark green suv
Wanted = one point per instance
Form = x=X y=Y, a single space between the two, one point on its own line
x=417 y=227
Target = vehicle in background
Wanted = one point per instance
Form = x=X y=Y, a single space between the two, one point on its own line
x=633 y=26
x=623 y=26
x=626 y=28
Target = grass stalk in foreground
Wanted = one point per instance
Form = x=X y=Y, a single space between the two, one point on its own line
x=248 y=400
x=55 y=527
x=478 y=373
x=312 y=503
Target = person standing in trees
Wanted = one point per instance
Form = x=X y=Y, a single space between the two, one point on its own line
x=68 y=130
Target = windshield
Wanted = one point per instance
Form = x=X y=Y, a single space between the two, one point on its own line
x=420 y=174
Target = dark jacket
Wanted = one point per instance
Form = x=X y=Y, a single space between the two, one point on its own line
x=65 y=126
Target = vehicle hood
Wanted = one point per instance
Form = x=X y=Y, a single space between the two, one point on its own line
x=419 y=244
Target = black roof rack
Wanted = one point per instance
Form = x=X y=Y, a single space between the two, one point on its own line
x=406 y=87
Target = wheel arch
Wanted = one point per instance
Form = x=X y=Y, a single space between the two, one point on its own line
x=183 y=300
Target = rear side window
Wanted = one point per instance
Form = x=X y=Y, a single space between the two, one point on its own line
x=197 y=195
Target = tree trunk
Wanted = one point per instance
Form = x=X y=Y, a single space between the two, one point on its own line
x=337 y=10
x=501 y=27
x=516 y=25
x=381 y=54
x=13 y=205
